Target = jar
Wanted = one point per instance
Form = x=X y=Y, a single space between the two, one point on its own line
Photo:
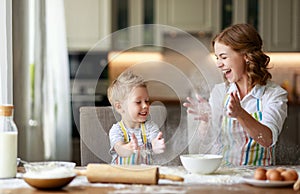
x=8 y=142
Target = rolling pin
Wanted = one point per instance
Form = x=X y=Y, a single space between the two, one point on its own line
x=296 y=185
x=131 y=174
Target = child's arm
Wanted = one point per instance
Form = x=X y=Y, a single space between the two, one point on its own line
x=158 y=144
x=126 y=149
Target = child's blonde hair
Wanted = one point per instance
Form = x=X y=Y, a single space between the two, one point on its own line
x=120 y=88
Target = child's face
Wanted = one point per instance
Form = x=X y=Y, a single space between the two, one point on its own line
x=136 y=107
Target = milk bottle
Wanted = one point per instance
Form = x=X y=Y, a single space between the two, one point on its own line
x=8 y=142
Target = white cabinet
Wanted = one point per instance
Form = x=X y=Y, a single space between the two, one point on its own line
x=87 y=22
x=279 y=24
x=188 y=15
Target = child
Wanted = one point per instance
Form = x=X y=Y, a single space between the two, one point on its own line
x=130 y=137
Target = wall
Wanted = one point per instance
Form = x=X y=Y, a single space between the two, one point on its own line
x=285 y=68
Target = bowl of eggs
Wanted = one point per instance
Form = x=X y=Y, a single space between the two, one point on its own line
x=49 y=175
x=201 y=163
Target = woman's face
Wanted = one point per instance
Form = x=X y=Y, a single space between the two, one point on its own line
x=136 y=107
x=231 y=63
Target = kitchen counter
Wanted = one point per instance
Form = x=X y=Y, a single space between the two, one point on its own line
x=224 y=180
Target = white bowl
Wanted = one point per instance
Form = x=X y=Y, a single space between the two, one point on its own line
x=48 y=183
x=201 y=163
x=48 y=166
x=49 y=175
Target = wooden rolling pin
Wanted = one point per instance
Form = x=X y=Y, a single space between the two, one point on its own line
x=296 y=185
x=131 y=174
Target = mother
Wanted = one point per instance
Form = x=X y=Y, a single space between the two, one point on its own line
x=255 y=107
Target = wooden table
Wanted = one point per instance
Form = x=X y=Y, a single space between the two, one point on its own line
x=225 y=180
x=192 y=189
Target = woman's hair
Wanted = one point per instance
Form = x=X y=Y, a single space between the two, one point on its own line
x=244 y=39
x=121 y=87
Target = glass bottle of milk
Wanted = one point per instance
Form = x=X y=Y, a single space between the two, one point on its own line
x=8 y=142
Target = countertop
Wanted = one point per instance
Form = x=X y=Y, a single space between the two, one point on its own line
x=224 y=180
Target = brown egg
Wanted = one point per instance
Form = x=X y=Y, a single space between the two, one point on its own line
x=269 y=172
x=260 y=174
x=289 y=175
x=275 y=176
x=280 y=169
x=260 y=169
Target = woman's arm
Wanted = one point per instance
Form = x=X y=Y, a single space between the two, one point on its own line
x=259 y=132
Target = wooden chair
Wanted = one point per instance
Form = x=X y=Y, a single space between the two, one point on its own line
x=95 y=123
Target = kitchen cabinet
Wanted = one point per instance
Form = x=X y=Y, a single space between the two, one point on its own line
x=277 y=21
x=189 y=15
x=279 y=24
x=126 y=37
x=87 y=22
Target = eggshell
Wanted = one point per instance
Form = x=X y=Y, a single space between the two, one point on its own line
x=275 y=176
x=280 y=169
x=260 y=174
x=269 y=172
x=289 y=175
x=261 y=169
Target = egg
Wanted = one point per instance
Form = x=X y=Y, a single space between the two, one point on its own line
x=273 y=175
x=260 y=174
x=269 y=172
x=289 y=175
x=280 y=169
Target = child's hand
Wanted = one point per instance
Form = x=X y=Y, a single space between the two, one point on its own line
x=133 y=144
x=158 y=144
x=126 y=149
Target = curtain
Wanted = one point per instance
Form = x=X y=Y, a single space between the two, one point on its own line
x=5 y=52
x=56 y=85
x=41 y=74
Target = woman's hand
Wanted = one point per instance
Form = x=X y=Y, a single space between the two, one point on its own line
x=234 y=106
x=199 y=107
x=158 y=144
x=259 y=132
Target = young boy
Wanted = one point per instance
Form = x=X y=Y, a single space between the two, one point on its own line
x=134 y=137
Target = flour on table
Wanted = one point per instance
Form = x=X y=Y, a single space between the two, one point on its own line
x=223 y=176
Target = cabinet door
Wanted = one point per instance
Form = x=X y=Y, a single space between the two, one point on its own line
x=87 y=22
x=188 y=15
x=279 y=24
